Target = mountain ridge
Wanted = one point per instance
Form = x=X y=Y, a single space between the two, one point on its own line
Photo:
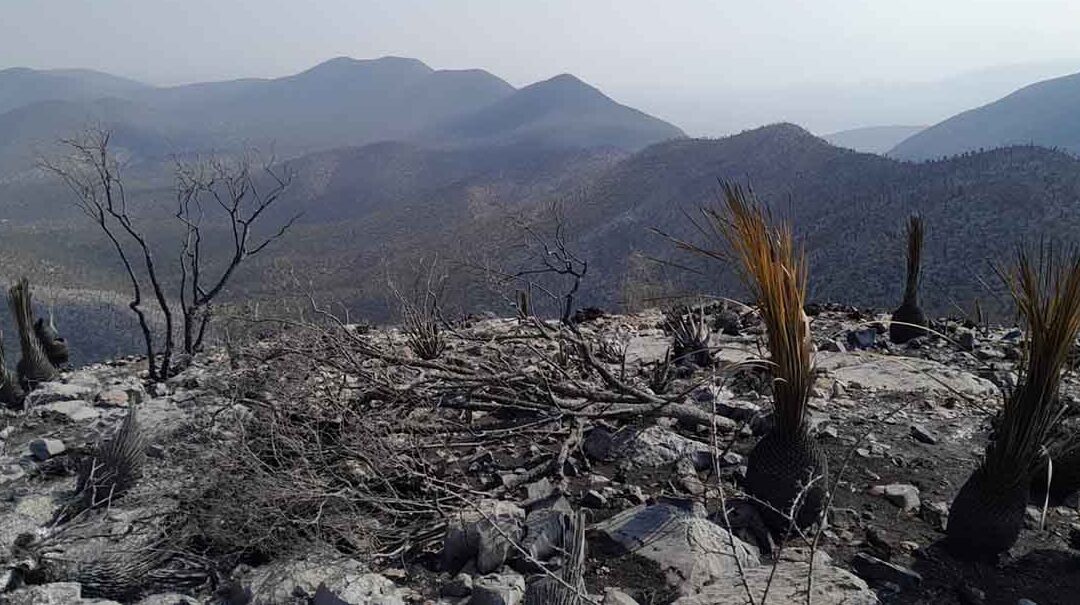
x=340 y=102
x=1043 y=113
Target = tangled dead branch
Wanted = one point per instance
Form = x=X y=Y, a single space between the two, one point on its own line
x=350 y=439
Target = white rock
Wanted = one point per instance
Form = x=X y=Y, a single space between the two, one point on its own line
x=115 y=398
x=51 y=392
x=655 y=447
x=832 y=585
x=75 y=410
x=43 y=449
x=903 y=374
x=347 y=579
x=614 y=596
x=692 y=552
x=170 y=598
x=58 y=593
x=901 y=494
x=498 y=589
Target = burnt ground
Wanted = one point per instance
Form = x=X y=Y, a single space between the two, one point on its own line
x=865 y=405
x=1040 y=567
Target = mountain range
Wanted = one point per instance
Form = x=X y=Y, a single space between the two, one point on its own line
x=1044 y=113
x=397 y=164
x=341 y=102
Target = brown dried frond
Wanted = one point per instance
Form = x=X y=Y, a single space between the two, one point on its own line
x=1047 y=294
x=774 y=269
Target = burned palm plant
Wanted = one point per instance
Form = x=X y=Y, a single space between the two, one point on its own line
x=787 y=469
x=567 y=586
x=11 y=392
x=34 y=366
x=114 y=467
x=909 y=320
x=988 y=513
x=104 y=475
x=55 y=346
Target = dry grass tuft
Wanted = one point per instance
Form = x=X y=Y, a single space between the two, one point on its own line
x=1047 y=294
x=773 y=268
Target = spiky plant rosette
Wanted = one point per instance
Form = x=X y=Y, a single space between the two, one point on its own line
x=989 y=508
x=11 y=394
x=34 y=367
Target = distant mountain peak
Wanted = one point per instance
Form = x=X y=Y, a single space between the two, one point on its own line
x=344 y=66
x=566 y=84
x=1043 y=113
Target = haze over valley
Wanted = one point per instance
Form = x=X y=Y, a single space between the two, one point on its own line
x=396 y=162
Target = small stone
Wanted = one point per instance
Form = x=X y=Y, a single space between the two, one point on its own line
x=113 y=398
x=597 y=481
x=599 y=445
x=614 y=596
x=171 y=598
x=539 y=490
x=636 y=495
x=832 y=346
x=865 y=338
x=838 y=390
x=901 y=494
x=43 y=449
x=594 y=499
x=1033 y=517
x=68 y=411
x=395 y=573
x=498 y=589
x=936 y=514
x=965 y=337
x=923 y=434
x=875 y=570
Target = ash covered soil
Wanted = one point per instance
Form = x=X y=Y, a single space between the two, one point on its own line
x=329 y=464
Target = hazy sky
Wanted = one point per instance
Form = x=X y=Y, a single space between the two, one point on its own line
x=692 y=61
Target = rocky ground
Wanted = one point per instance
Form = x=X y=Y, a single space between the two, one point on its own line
x=329 y=465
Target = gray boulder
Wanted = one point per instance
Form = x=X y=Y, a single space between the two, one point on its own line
x=787 y=585
x=691 y=551
x=498 y=589
x=347 y=579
